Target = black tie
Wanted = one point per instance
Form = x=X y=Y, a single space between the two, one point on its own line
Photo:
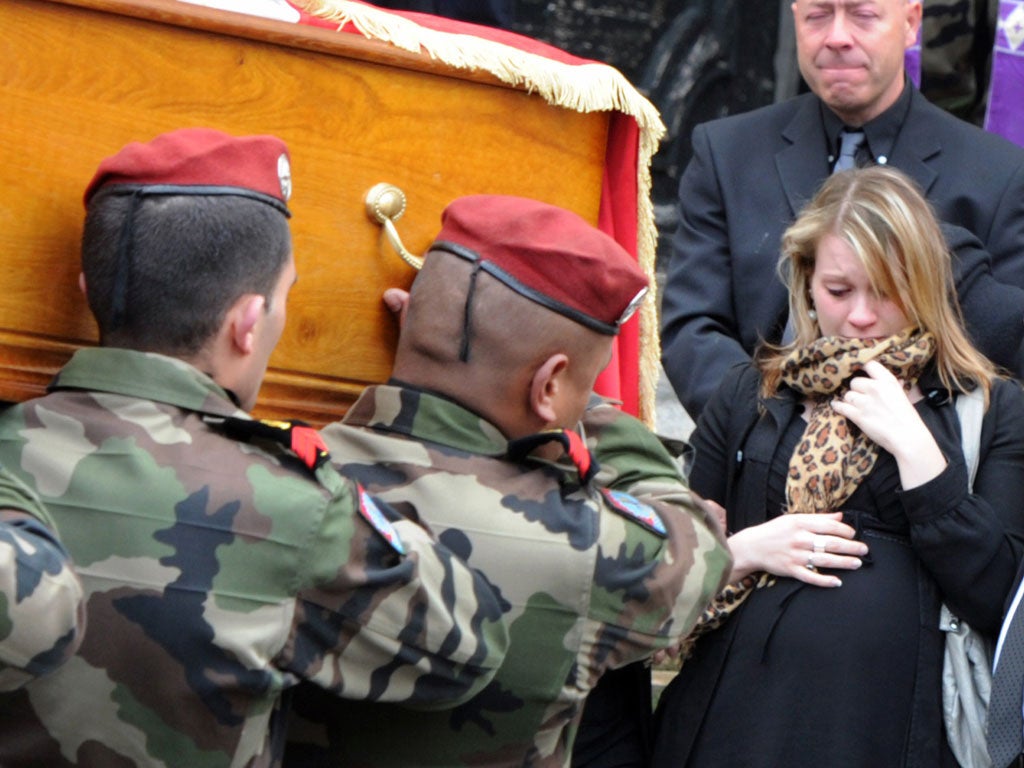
x=849 y=143
x=1005 y=722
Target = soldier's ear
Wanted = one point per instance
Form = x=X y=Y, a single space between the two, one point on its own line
x=81 y=284
x=546 y=387
x=242 y=320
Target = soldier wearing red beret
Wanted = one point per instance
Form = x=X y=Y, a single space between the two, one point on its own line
x=507 y=326
x=223 y=559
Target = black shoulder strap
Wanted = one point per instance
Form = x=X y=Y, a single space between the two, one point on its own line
x=575 y=448
x=301 y=439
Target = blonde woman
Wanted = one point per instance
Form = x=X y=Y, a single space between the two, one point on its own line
x=837 y=458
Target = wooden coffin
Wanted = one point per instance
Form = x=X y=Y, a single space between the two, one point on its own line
x=80 y=78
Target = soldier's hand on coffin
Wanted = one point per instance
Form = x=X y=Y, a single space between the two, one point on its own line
x=397 y=302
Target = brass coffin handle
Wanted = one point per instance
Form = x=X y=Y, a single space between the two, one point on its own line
x=385 y=203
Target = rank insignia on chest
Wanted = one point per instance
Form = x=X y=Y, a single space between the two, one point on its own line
x=634 y=509
x=371 y=513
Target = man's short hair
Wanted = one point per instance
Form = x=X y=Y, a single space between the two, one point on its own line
x=190 y=258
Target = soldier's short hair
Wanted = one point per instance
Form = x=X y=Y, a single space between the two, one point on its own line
x=191 y=258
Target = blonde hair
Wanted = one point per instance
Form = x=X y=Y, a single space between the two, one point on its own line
x=883 y=216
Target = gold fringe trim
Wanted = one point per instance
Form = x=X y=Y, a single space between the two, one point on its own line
x=590 y=87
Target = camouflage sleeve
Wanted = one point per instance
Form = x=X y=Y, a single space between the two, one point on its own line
x=408 y=620
x=42 y=617
x=634 y=460
x=689 y=558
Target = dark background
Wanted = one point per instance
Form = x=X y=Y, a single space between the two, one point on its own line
x=694 y=59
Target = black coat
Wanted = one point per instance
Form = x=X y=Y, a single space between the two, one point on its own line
x=932 y=543
x=752 y=173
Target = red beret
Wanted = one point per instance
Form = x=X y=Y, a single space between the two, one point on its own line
x=547 y=254
x=200 y=161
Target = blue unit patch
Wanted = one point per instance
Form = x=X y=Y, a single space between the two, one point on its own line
x=371 y=513
x=634 y=509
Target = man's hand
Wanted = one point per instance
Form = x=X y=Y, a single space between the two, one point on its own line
x=712 y=511
x=397 y=302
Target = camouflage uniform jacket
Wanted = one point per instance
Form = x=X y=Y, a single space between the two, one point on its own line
x=42 y=615
x=219 y=572
x=587 y=583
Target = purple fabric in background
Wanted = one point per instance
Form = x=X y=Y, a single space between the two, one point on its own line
x=912 y=60
x=1005 y=115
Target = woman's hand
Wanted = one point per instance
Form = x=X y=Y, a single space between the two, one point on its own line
x=797 y=545
x=878 y=404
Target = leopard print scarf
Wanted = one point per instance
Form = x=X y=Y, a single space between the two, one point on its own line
x=832 y=458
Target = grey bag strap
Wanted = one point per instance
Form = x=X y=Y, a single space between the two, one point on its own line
x=970 y=408
x=967 y=659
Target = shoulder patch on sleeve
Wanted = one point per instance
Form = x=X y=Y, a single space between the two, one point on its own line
x=371 y=513
x=636 y=510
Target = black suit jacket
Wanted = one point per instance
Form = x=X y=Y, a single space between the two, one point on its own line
x=752 y=173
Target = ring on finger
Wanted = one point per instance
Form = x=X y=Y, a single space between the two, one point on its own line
x=819 y=545
x=810 y=564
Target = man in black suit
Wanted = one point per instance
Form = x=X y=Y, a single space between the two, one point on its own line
x=750 y=174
